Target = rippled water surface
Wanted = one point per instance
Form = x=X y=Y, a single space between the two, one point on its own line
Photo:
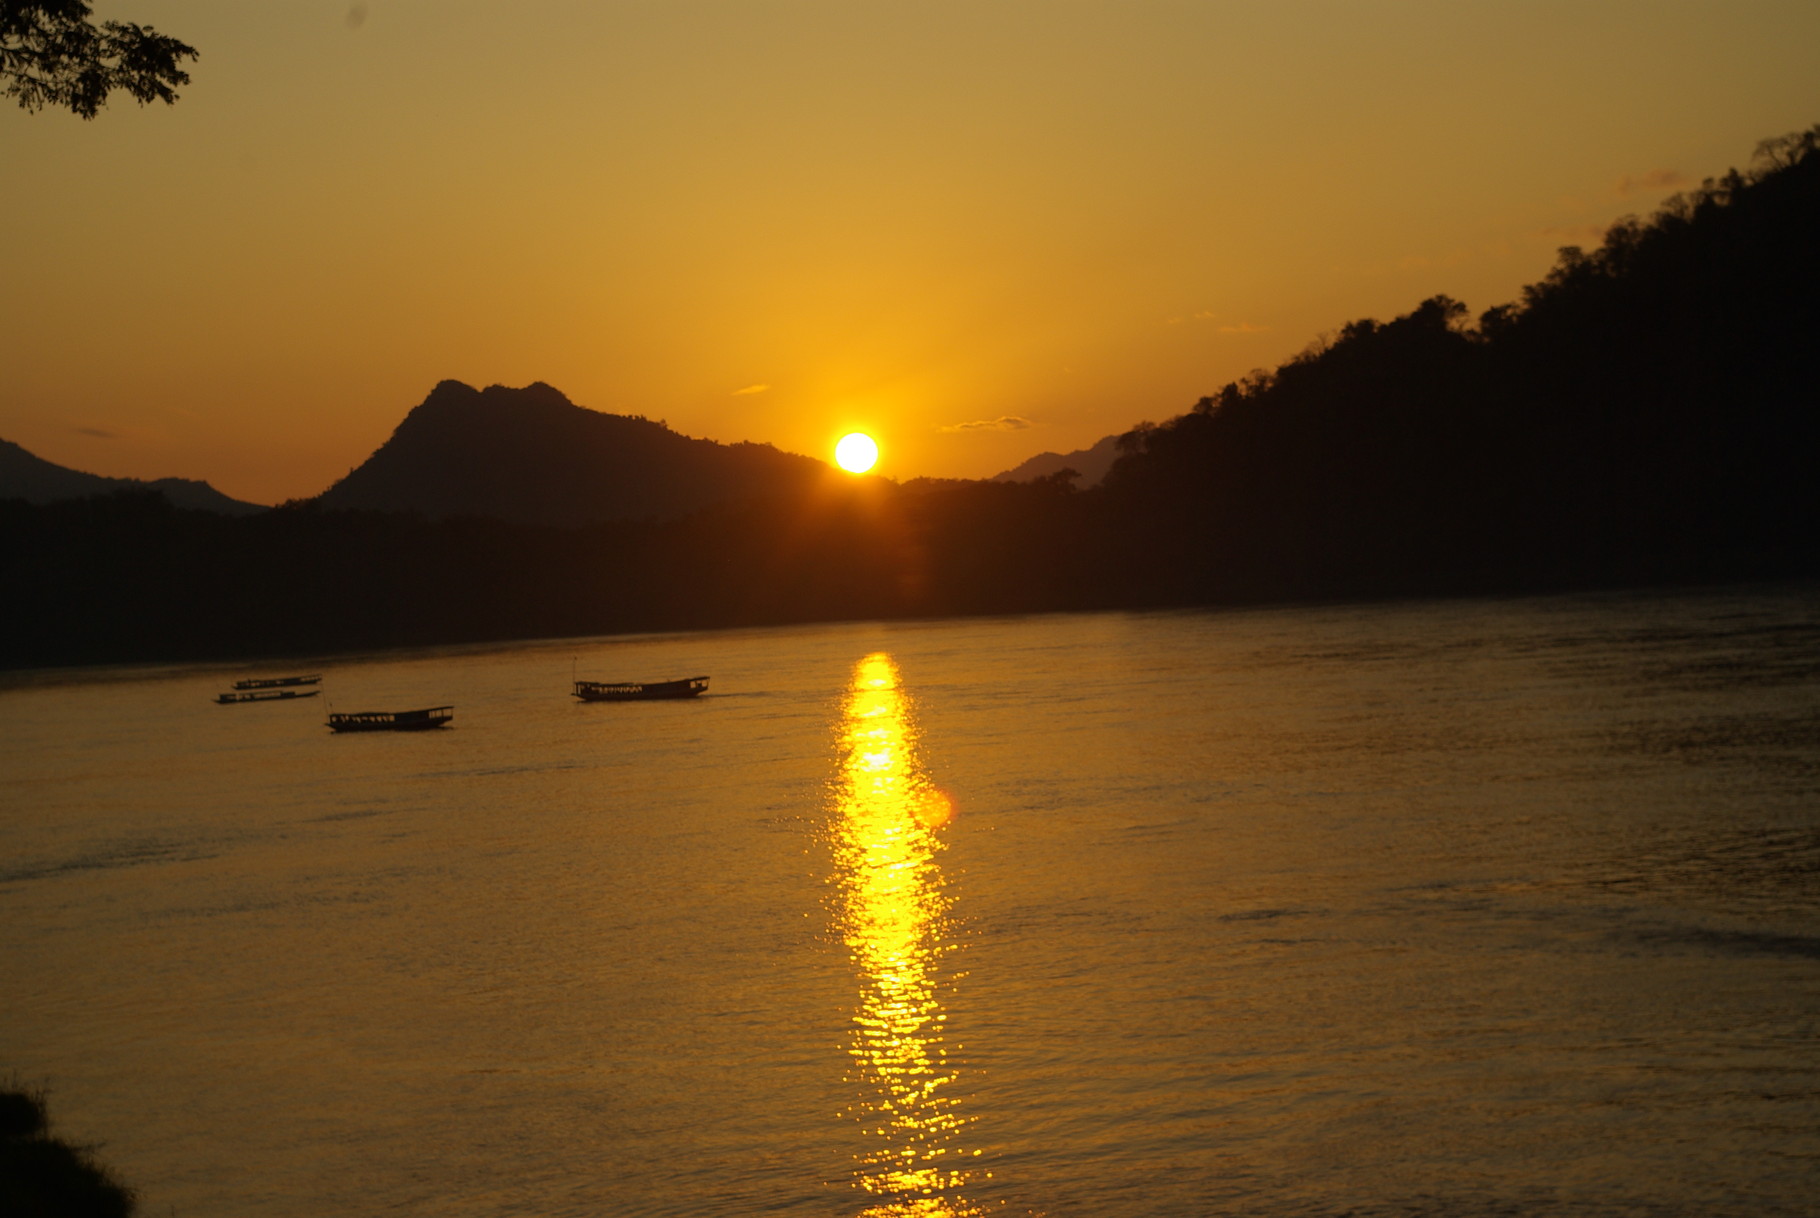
x=1482 y=908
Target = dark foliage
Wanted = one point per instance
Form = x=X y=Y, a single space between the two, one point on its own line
x=128 y=576
x=43 y=1177
x=51 y=54
x=1647 y=413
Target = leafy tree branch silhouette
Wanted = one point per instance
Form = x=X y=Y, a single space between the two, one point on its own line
x=52 y=54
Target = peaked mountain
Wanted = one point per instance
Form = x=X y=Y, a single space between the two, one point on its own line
x=26 y=476
x=1090 y=463
x=532 y=456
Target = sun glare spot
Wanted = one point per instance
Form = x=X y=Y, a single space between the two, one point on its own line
x=856 y=453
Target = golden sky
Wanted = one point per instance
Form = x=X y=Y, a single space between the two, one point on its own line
x=978 y=230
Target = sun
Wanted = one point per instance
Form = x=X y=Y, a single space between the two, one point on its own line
x=856 y=453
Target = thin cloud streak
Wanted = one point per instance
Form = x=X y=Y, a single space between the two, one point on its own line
x=1008 y=422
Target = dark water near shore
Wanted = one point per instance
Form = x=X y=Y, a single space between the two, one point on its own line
x=1482 y=908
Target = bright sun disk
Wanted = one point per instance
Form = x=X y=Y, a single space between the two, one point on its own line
x=856 y=453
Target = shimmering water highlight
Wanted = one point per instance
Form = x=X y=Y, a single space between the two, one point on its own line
x=894 y=921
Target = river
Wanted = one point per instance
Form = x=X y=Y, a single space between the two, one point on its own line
x=1468 y=908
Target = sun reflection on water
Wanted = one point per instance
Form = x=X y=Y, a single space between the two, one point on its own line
x=894 y=919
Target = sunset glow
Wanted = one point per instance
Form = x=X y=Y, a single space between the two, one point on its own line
x=727 y=215
x=856 y=453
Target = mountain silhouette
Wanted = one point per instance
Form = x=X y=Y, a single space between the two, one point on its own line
x=531 y=456
x=23 y=475
x=1090 y=463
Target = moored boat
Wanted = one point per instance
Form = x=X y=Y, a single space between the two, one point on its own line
x=277 y=682
x=265 y=695
x=639 y=691
x=390 y=721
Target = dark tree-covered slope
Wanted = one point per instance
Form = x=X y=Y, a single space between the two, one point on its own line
x=1650 y=410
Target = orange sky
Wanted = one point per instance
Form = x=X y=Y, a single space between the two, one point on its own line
x=978 y=230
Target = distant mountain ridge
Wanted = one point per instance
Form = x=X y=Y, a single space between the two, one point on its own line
x=24 y=475
x=1091 y=464
x=532 y=456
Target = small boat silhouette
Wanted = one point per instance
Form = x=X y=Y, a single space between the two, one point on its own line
x=265 y=695
x=639 y=691
x=391 y=721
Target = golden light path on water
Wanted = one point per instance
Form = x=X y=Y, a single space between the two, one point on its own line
x=893 y=913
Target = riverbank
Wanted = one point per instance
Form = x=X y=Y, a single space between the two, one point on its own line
x=43 y=1176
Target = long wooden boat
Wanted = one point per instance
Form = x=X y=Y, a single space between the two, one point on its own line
x=391 y=721
x=265 y=695
x=639 y=691
x=277 y=682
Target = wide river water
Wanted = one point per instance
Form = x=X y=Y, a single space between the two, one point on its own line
x=1466 y=909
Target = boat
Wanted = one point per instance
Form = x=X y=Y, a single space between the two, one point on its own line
x=276 y=682
x=390 y=721
x=639 y=691
x=265 y=695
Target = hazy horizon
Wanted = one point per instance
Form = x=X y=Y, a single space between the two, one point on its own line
x=979 y=234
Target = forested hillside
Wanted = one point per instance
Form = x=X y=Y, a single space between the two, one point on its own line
x=1647 y=411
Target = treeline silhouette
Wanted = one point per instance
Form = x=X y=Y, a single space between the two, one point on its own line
x=128 y=576
x=1646 y=413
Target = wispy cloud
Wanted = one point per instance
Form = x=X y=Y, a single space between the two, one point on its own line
x=1649 y=183
x=1006 y=422
x=750 y=389
x=97 y=432
x=1243 y=327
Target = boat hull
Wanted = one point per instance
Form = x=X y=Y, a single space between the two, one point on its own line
x=640 y=691
x=392 y=721
x=276 y=682
x=265 y=695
